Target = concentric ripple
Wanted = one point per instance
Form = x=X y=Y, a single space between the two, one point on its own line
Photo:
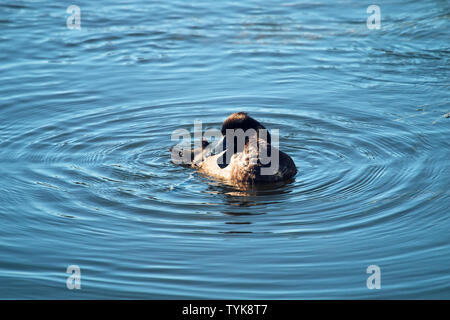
x=86 y=119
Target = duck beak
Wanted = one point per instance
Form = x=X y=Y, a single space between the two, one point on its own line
x=221 y=145
x=224 y=159
x=216 y=147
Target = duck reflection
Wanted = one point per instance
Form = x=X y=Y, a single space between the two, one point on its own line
x=243 y=200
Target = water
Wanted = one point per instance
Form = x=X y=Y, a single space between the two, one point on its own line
x=86 y=178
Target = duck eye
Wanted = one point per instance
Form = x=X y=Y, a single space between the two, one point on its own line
x=180 y=153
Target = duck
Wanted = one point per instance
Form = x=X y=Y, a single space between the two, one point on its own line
x=251 y=162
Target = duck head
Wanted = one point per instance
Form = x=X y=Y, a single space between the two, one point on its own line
x=237 y=130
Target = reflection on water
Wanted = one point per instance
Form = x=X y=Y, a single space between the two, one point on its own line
x=246 y=198
x=85 y=123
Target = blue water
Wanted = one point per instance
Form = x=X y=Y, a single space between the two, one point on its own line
x=86 y=179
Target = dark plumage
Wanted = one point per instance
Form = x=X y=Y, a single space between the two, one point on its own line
x=243 y=167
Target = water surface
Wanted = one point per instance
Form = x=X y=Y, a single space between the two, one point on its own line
x=86 y=179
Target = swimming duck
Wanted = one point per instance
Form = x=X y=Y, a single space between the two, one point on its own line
x=252 y=161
